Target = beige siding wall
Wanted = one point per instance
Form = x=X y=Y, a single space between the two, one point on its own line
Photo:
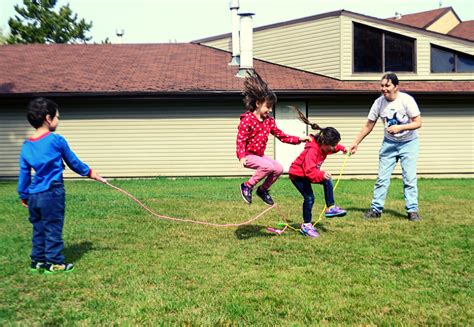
x=325 y=46
x=446 y=138
x=445 y=23
x=199 y=140
x=144 y=140
x=423 y=58
x=313 y=46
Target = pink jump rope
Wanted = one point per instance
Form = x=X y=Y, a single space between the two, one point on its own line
x=285 y=225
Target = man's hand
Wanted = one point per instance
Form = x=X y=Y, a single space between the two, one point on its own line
x=394 y=129
x=24 y=203
x=353 y=148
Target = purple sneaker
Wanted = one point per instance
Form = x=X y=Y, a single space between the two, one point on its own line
x=309 y=230
x=246 y=193
x=335 y=211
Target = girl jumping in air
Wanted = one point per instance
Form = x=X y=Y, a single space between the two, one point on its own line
x=252 y=137
x=305 y=170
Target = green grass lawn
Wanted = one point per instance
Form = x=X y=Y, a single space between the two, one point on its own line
x=135 y=269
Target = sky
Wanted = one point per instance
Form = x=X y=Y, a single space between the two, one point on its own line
x=164 y=21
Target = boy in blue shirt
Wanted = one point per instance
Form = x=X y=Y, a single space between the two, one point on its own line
x=44 y=196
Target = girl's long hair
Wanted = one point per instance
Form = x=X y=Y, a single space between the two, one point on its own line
x=327 y=135
x=256 y=89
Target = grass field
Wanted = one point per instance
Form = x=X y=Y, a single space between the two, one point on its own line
x=134 y=269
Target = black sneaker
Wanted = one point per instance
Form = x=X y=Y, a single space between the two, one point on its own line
x=37 y=266
x=246 y=193
x=372 y=214
x=413 y=216
x=53 y=268
x=264 y=195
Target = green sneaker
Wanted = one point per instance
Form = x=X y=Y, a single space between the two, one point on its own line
x=54 y=268
x=37 y=266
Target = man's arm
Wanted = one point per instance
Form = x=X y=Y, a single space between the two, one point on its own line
x=366 y=129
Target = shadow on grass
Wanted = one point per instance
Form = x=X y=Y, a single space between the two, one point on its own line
x=75 y=251
x=386 y=212
x=249 y=231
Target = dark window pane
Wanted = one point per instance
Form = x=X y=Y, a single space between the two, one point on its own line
x=367 y=50
x=464 y=63
x=442 y=61
x=399 y=53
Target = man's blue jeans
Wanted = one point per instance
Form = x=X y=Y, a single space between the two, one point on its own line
x=390 y=153
x=303 y=185
x=47 y=217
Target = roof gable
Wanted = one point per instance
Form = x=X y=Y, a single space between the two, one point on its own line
x=421 y=19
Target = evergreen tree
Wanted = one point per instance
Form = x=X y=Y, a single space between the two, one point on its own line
x=37 y=22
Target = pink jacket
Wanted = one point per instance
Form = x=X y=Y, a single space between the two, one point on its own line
x=252 y=136
x=309 y=162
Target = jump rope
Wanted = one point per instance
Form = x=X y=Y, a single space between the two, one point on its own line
x=285 y=225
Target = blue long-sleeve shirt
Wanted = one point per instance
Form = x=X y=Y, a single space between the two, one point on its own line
x=45 y=156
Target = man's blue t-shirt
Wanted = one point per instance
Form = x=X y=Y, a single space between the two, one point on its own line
x=45 y=156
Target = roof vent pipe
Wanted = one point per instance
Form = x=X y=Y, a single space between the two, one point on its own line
x=234 y=6
x=246 y=44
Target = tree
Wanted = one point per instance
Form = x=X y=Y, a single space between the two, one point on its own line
x=37 y=22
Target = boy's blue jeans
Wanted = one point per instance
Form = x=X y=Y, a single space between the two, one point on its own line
x=47 y=217
x=390 y=153
x=303 y=185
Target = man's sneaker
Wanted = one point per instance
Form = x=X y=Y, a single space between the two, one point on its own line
x=53 y=268
x=309 y=230
x=265 y=196
x=372 y=214
x=246 y=192
x=37 y=266
x=335 y=211
x=414 y=216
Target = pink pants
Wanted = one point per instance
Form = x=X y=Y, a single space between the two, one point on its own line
x=266 y=167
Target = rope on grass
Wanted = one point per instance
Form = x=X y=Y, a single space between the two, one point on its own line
x=335 y=186
x=186 y=220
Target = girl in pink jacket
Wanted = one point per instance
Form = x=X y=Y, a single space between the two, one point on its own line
x=306 y=170
x=252 y=137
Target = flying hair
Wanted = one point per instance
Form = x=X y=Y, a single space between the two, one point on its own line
x=305 y=120
x=256 y=89
x=327 y=135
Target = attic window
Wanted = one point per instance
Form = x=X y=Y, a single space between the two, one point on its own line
x=377 y=51
x=448 y=61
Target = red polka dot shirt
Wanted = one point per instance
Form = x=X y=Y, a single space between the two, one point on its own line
x=252 y=135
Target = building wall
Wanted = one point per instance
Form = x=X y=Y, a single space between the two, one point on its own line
x=138 y=139
x=145 y=139
x=325 y=46
x=446 y=137
x=423 y=53
x=312 y=46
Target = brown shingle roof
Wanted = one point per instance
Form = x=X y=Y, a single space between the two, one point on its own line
x=186 y=68
x=465 y=30
x=421 y=19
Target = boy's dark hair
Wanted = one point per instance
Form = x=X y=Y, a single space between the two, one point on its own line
x=392 y=77
x=256 y=89
x=327 y=135
x=38 y=109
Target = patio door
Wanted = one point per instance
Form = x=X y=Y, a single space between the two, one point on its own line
x=287 y=120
